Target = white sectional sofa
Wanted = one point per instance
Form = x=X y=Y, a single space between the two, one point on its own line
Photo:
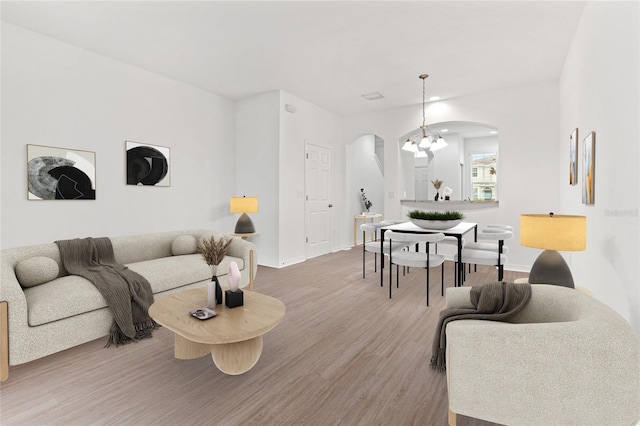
x=42 y=311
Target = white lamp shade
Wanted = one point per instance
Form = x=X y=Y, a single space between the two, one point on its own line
x=439 y=144
x=410 y=146
x=425 y=142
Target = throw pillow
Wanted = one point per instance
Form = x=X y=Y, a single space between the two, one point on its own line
x=36 y=270
x=184 y=244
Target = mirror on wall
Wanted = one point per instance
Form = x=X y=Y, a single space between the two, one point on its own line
x=468 y=165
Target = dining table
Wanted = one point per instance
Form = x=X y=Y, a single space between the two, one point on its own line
x=457 y=231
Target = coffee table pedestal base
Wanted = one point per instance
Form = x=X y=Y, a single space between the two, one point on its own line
x=230 y=358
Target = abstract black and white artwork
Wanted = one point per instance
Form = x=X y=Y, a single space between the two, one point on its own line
x=60 y=173
x=147 y=164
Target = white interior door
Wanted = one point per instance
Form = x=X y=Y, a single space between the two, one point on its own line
x=318 y=200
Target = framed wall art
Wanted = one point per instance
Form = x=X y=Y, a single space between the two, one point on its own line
x=589 y=168
x=573 y=157
x=148 y=164
x=60 y=173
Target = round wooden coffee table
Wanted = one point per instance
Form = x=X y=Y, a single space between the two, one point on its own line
x=233 y=338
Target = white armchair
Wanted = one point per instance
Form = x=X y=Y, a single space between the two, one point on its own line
x=565 y=359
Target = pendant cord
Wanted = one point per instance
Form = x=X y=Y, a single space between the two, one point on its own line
x=424 y=115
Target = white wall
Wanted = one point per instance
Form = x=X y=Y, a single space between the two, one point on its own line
x=256 y=168
x=59 y=95
x=363 y=171
x=600 y=92
x=445 y=167
x=309 y=124
x=528 y=163
x=271 y=165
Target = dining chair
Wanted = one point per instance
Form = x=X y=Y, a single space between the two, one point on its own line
x=414 y=259
x=499 y=226
x=374 y=246
x=496 y=258
x=490 y=245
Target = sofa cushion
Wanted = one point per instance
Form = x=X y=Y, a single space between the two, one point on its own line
x=36 y=270
x=172 y=272
x=73 y=295
x=62 y=298
x=184 y=244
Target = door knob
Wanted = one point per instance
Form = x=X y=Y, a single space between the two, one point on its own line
x=330 y=205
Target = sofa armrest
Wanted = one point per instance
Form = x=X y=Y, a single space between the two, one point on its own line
x=245 y=250
x=14 y=324
x=579 y=372
x=458 y=297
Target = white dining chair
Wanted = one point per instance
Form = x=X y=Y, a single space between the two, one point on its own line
x=414 y=259
x=490 y=244
x=374 y=246
x=496 y=257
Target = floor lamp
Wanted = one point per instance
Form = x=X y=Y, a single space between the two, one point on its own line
x=244 y=205
x=552 y=233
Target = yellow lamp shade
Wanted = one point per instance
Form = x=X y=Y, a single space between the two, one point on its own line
x=243 y=205
x=553 y=232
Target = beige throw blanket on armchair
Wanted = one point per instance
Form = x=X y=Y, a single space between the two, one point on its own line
x=492 y=302
x=128 y=294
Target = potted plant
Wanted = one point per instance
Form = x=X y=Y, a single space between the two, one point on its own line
x=435 y=219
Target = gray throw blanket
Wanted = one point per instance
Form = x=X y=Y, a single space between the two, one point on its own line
x=492 y=302
x=128 y=294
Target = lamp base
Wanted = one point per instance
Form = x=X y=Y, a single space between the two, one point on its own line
x=550 y=268
x=244 y=225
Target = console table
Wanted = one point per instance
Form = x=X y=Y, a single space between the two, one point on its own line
x=365 y=218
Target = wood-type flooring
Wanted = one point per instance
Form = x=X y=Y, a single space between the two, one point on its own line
x=344 y=354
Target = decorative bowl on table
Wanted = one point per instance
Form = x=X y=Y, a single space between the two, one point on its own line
x=436 y=224
x=435 y=219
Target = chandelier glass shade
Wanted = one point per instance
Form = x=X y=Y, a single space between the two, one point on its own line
x=429 y=141
x=410 y=146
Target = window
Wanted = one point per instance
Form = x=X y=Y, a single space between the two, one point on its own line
x=483 y=176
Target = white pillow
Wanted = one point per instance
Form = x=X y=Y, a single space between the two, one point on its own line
x=36 y=270
x=184 y=244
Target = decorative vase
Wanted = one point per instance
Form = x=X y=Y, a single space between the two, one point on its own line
x=437 y=196
x=214 y=293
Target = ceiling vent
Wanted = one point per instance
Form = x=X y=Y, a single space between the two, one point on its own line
x=373 y=96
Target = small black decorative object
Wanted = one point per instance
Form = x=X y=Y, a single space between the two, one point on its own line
x=233 y=299
x=218 y=289
x=437 y=197
x=365 y=201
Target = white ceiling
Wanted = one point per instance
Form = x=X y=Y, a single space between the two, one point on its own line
x=329 y=53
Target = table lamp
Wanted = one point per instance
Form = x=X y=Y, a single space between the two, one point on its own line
x=552 y=233
x=244 y=205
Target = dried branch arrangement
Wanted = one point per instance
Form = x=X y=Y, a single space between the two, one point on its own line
x=213 y=251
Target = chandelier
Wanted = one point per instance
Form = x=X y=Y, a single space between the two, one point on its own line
x=431 y=141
